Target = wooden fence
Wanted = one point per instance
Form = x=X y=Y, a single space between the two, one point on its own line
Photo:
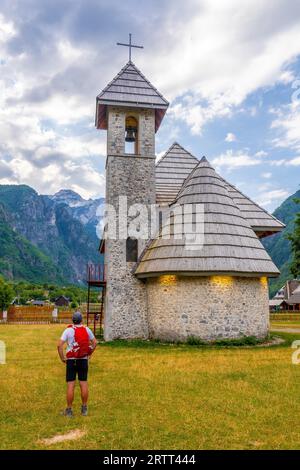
x=285 y=316
x=38 y=315
x=33 y=314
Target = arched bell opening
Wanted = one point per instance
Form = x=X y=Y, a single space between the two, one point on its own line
x=131 y=135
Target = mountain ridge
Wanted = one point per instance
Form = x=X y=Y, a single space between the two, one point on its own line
x=278 y=246
x=52 y=230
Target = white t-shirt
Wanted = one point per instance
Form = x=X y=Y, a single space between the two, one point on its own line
x=69 y=334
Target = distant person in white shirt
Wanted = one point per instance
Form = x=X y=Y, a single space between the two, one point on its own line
x=81 y=343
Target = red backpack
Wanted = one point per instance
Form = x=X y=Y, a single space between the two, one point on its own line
x=81 y=346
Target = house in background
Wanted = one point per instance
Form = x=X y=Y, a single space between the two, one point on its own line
x=287 y=298
x=38 y=303
x=278 y=305
x=62 y=301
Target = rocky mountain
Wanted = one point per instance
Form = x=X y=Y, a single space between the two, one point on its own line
x=19 y=259
x=278 y=246
x=87 y=211
x=55 y=235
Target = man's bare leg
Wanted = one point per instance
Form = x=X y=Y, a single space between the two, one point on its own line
x=84 y=392
x=70 y=393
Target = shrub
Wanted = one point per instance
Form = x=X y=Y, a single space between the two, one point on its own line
x=194 y=341
x=243 y=341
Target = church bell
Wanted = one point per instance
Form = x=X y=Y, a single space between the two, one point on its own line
x=130 y=129
x=130 y=134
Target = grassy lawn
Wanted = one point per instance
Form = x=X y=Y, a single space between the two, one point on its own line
x=150 y=395
x=285 y=324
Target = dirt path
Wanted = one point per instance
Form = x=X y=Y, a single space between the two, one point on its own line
x=286 y=330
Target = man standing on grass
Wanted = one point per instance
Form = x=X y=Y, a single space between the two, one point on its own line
x=81 y=343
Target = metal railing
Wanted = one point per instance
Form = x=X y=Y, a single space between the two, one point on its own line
x=95 y=273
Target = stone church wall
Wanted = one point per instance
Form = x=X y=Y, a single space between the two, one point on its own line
x=207 y=307
x=132 y=176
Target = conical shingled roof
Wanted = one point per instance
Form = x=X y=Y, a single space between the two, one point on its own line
x=130 y=88
x=229 y=246
x=171 y=171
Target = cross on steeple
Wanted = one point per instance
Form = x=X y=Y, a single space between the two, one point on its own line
x=130 y=45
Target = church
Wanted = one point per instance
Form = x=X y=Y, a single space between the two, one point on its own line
x=163 y=286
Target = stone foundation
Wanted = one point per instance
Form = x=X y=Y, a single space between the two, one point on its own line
x=207 y=307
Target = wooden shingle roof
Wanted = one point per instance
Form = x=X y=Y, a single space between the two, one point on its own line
x=229 y=245
x=171 y=171
x=130 y=88
x=260 y=220
x=294 y=299
x=176 y=165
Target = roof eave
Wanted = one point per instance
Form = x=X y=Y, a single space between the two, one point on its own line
x=263 y=232
x=205 y=274
x=101 y=111
x=132 y=103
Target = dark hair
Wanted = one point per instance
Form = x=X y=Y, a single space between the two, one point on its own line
x=77 y=318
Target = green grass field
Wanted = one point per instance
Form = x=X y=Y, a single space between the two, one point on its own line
x=145 y=396
x=285 y=324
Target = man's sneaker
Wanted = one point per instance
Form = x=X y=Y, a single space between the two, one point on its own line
x=68 y=412
x=84 y=410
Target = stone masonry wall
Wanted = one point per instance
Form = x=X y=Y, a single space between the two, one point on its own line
x=207 y=307
x=116 y=131
x=132 y=176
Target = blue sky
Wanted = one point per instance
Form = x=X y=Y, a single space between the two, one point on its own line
x=230 y=69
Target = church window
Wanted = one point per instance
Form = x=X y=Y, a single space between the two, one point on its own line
x=131 y=250
x=172 y=223
x=160 y=220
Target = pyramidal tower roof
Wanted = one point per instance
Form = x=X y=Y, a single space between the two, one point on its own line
x=225 y=243
x=130 y=88
x=171 y=171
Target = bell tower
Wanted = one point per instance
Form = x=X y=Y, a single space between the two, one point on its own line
x=131 y=110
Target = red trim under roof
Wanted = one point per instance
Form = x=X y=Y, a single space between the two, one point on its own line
x=101 y=115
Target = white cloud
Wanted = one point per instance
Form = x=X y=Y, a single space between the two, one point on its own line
x=287 y=76
x=280 y=162
x=269 y=197
x=261 y=153
x=7 y=29
x=287 y=126
x=230 y=137
x=235 y=159
x=159 y=155
x=49 y=160
x=264 y=187
x=45 y=117
x=56 y=175
x=199 y=64
x=266 y=175
x=50 y=74
x=196 y=114
x=295 y=161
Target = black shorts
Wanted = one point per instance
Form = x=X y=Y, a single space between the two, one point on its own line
x=77 y=366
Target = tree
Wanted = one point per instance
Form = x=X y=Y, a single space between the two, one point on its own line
x=6 y=295
x=295 y=242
